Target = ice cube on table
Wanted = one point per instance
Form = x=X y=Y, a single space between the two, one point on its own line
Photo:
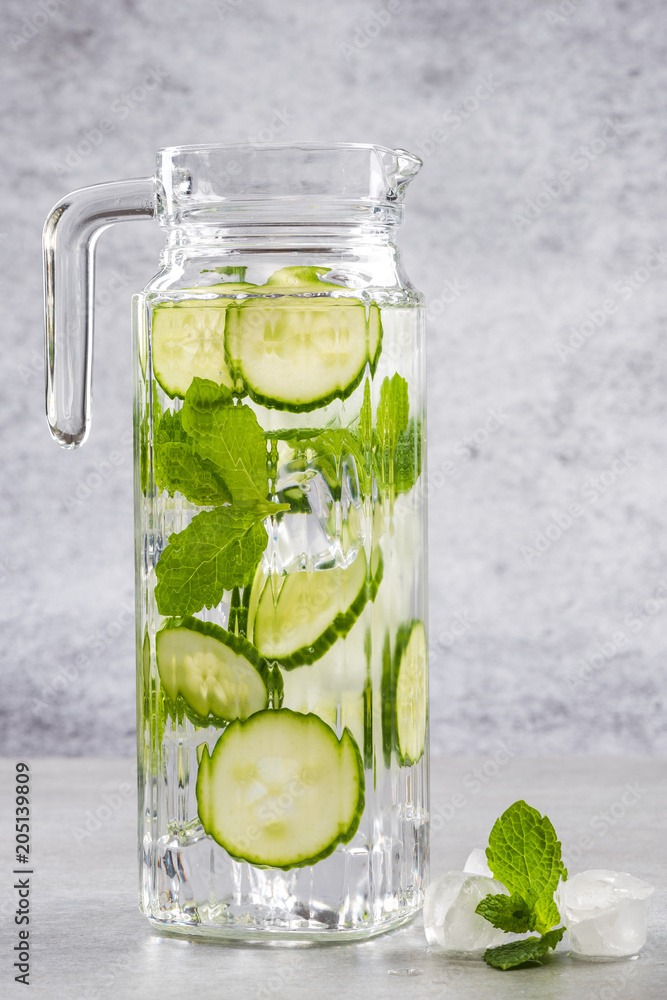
x=450 y=920
x=605 y=912
x=477 y=864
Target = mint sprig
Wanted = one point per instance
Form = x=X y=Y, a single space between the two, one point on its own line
x=394 y=448
x=532 y=949
x=229 y=436
x=525 y=855
x=391 y=423
x=214 y=453
x=178 y=467
x=508 y=913
x=219 y=550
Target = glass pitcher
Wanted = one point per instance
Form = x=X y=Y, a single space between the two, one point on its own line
x=279 y=434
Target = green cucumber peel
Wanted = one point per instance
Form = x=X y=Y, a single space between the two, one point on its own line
x=340 y=625
x=524 y=854
x=390 y=674
x=178 y=707
x=297 y=279
x=254 y=842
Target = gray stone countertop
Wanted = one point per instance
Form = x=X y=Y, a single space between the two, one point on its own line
x=88 y=939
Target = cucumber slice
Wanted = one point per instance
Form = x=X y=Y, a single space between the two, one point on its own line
x=374 y=336
x=334 y=688
x=404 y=695
x=280 y=790
x=301 y=615
x=298 y=355
x=215 y=675
x=301 y=348
x=188 y=340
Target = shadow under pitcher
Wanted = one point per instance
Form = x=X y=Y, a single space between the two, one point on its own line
x=280 y=512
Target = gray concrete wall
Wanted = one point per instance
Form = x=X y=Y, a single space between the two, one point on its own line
x=538 y=221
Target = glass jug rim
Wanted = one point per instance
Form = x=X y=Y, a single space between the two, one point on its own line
x=200 y=183
x=289 y=144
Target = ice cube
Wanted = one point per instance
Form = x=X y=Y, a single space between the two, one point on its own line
x=605 y=912
x=450 y=920
x=476 y=863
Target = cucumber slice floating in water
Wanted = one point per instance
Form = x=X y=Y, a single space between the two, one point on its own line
x=374 y=336
x=404 y=695
x=334 y=688
x=218 y=676
x=301 y=348
x=300 y=615
x=280 y=790
x=188 y=340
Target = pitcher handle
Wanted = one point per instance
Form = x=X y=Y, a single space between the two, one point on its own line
x=70 y=237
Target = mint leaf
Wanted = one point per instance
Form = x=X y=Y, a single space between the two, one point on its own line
x=532 y=949
x=509 y=913
x=335 y=454
x=169 y=428
x=392 y=416
x=525 y=855
x=408 y=458
x=366 y=417
x=219 y=550
x=397 y=441
x=234 y=272
x=179 y=467
x=365 y=433
x=230 y=437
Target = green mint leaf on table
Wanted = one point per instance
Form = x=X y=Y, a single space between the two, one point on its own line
x=516 y=953
x=509 y=913
x=230 y=437
x=179 y=467
x=525 y=855
x=219 y=550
